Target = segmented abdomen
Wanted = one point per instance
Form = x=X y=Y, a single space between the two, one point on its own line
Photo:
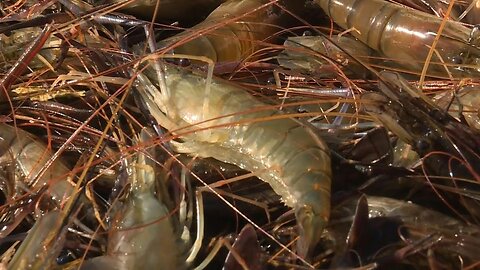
x=402 y=34
x=281 y=152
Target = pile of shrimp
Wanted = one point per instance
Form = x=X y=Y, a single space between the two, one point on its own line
x=239 y=134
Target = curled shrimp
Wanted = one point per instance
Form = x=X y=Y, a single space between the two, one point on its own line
x=407 y=35
x=279 y=150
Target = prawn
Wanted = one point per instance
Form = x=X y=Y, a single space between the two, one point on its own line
x=142 y=224
x=42 y=245
x=282 y=151
x=402 y=223
x=29 y=156
x=407 y=35
x=447 y=147
x=233 y=41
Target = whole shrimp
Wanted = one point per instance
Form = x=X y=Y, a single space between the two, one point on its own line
x=142 y=235
x=280 y=150
x=407 y=35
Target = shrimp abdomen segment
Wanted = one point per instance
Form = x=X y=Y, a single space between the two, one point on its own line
x=402 y=34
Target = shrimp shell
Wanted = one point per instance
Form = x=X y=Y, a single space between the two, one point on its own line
x=142 y=224
x=30 y=155
x=406 y=35
x=168 y=9
x=42 y=245
x=234 y=41
x=469 y=98
x=283 y=152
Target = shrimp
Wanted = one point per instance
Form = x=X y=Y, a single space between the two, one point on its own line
x=234 y=41
x=142 y=224
x=407 y=35
x=29 y=157
x=384 y=218
x=42 y=245
x=282 y=151
x=416 y=120
x=449 y=149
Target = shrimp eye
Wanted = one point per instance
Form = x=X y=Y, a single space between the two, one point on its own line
x=271 y=80
x=65 y=257
x=183 y=62
x=422 y=145
x=439 y=115
x=458 y=59
x=302 y=109
x=307 y=33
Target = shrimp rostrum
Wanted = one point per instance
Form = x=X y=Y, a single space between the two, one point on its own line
x=221 y=120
